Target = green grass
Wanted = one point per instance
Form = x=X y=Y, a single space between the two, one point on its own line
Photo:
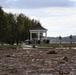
x=57 y=45
x=9 y=46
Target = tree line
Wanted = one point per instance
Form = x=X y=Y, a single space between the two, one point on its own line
x=14 y=28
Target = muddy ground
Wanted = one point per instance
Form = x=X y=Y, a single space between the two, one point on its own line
x=37 y=62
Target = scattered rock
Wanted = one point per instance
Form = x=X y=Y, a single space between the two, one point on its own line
x=37 y=62
x=65 y=58
x=52 y=52
x=8 y=55
x=33 y=46
x=64 y=72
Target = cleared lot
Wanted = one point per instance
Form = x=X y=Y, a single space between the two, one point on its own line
x=38 y=62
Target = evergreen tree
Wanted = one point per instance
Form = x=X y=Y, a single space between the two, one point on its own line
x=3 y=25
x=60 y=38
x=71 y=37
x=14 y=28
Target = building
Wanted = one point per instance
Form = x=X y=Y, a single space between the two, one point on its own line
x=39 y=30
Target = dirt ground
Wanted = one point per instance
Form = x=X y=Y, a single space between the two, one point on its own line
x=38 y=62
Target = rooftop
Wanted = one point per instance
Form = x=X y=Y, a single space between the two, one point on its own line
x=38 y=27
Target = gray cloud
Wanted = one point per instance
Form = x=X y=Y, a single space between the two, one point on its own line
x=36 y=3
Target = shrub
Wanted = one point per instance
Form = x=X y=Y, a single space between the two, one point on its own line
x=38 y=41
x=47 y=41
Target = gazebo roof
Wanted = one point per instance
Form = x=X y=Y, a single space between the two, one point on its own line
x=38 y=27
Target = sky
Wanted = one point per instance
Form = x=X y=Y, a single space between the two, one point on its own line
x=58 y=16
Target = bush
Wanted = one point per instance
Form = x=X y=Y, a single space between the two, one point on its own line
x=38 y=41
x=47 y=41
x=44 y=41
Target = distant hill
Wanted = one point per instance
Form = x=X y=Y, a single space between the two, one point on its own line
x=64 y=39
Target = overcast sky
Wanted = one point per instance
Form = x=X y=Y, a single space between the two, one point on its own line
x=58 y=16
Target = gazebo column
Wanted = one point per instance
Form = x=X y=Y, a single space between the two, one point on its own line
x=38 y=35
x=46 y=35
x=41 y=35
x=30 y=35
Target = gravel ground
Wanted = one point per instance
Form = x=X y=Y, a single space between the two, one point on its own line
x=38 y=62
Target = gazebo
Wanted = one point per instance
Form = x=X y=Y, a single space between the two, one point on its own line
x=39 y=30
